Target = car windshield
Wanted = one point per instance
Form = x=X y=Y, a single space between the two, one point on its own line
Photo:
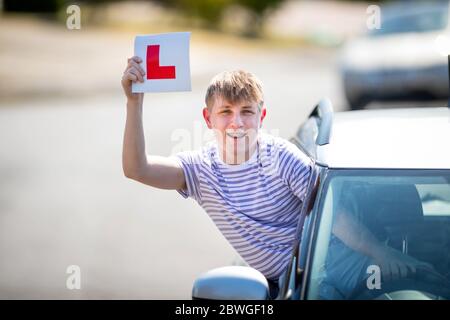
x=424 y=20
x=382 y=234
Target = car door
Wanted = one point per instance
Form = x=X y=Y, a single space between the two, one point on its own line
x=292 y=279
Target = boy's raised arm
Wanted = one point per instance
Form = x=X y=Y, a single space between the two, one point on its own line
x=156 y=171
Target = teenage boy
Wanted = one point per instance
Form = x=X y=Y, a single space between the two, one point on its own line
x=252 y=185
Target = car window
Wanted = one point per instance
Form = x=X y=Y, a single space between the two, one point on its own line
x=420 y=21
x=382 y=232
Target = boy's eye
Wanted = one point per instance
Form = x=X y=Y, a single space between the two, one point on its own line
x=229 y=112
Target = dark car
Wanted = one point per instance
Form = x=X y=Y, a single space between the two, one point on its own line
x=388 y=173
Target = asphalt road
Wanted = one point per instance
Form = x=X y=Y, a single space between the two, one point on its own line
x=63 y=198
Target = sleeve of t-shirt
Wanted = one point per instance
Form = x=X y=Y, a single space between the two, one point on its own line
x=295 y=168
x=190 y=162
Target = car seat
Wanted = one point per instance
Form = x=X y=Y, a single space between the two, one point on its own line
x=390 y=211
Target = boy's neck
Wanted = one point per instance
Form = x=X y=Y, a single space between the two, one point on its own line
x=237 y=159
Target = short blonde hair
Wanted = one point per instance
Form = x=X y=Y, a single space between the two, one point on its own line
x=235 y=86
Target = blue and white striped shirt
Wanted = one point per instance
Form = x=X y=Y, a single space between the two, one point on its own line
x=256 y=204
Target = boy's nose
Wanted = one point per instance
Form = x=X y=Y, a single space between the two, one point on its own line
x=236 y=122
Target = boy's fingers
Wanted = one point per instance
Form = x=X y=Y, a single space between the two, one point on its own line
x=133 y=61
x=137 y=66
x=131 y=77
x=136 y=73
x=132 y=70
x=136 y=58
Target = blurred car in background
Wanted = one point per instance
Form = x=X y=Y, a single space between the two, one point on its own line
x=405 y=59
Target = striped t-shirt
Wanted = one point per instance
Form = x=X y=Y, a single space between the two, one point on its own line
x=256 y=204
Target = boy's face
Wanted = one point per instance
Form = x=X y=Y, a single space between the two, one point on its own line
x=235 y=127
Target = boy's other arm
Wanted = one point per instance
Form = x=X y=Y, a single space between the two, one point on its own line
x=155 y=171
x=393 y=263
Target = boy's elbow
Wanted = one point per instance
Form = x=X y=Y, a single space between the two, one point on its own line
x=127 y=174
x=130 y=174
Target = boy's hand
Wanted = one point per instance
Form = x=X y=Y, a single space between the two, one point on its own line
x=133 y=73
x=395 y=265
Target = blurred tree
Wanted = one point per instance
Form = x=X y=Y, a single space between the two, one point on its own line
x=211 y=11
x=258 y=8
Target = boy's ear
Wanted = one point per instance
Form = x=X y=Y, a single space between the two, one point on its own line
x=263 y=115
x=206 y=116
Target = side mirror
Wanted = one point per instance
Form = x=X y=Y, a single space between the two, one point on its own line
x=231 y=283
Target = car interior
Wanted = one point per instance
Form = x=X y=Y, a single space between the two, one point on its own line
x=393 y=213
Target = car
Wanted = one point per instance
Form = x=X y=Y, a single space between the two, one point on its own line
x=392 y=166
x=405 y=59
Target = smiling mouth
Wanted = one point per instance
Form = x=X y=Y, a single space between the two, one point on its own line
x=236 y=135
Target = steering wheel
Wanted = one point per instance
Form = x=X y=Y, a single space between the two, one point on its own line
x=423 y=280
